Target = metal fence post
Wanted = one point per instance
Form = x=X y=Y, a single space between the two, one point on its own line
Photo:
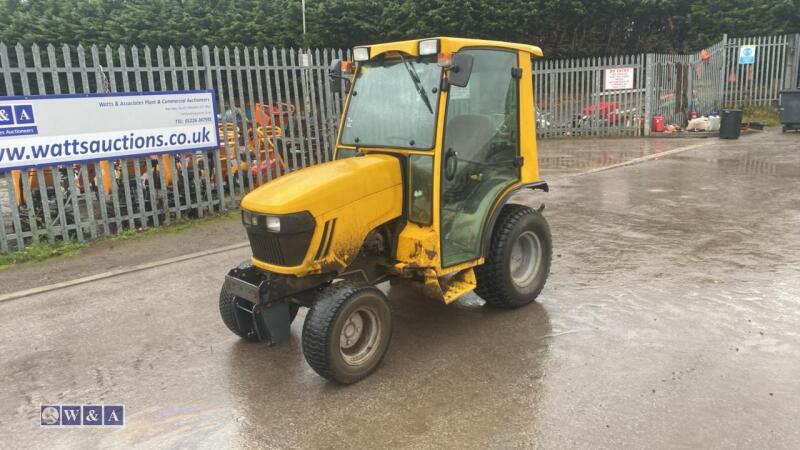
x=648 y=93
x=723 y=75
x=792 y=76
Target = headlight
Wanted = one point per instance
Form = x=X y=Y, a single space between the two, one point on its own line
x=429 y=47
x=361 y=54
x=271 y=223
x=274 y=224
x=278 y=223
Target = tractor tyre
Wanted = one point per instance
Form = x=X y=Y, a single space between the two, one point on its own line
x=518 y=260
x=347 y=331
x=235 y=312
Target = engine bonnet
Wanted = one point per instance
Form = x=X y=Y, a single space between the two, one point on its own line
x=324 y=187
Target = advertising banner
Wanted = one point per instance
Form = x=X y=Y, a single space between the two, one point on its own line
x=49 y=130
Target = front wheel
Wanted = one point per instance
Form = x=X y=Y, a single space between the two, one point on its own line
x=347 y=331
x=518 y=260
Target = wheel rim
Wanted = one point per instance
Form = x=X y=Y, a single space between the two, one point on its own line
x=526 y=256
x=358 y=340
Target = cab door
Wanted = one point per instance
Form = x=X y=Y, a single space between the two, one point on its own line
x=480 y=155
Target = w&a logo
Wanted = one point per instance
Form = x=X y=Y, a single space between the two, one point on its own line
x=82 y=415
x=16 y=115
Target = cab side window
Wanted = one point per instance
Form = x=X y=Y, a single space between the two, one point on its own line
x=481 y=144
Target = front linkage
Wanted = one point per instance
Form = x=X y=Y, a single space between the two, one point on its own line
x=263 y=305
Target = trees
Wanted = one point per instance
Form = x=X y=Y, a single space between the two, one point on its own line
x=561 y=27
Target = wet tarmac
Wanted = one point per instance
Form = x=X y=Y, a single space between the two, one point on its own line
x=671 y=320
x=560 y=157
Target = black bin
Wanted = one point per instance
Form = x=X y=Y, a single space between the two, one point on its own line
x=790 y=109
x=730 y=125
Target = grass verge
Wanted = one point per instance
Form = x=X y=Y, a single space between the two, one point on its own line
x=44 y=251
x=174 y=227
x=40 y=252
x=768 y=115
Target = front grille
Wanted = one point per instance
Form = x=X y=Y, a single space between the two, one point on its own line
x=266 y=246
x=281 y=249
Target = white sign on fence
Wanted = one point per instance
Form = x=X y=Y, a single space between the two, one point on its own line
x=619 y=78
x=59 y=129
x=747 y=54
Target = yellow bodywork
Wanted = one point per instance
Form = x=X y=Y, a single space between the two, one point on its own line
x=360 y=193
x=450 y=45
x=363 y=192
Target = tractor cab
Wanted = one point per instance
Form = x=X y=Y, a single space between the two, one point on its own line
x=457 y=108
x=435 y=137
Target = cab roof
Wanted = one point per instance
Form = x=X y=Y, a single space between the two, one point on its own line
x=448 y=44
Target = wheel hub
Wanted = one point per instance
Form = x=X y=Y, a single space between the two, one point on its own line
x=351 y=332
x=359 y=336
x=525 y=259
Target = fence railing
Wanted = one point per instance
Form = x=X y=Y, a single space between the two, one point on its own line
x=278 y=114
x=572 y=98
x=777 y=59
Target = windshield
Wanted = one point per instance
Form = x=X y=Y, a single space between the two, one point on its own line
x=394 y=104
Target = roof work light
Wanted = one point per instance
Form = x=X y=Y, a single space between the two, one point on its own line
x=428 y=47
x=361 y=54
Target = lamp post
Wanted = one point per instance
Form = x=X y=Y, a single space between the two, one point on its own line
x=305 y=59
x=303 y=3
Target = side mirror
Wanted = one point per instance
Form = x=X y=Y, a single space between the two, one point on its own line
x=335 y=76
x=460 y=70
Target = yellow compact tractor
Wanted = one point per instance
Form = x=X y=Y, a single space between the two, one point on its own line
x=435 y=137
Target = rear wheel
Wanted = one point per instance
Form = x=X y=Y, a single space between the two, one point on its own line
x=237 y=313
x=518 y=261
x=347 y=331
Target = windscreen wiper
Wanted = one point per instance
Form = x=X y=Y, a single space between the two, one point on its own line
x=417 y=84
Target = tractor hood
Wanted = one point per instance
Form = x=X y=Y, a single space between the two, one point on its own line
x=325 y=187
